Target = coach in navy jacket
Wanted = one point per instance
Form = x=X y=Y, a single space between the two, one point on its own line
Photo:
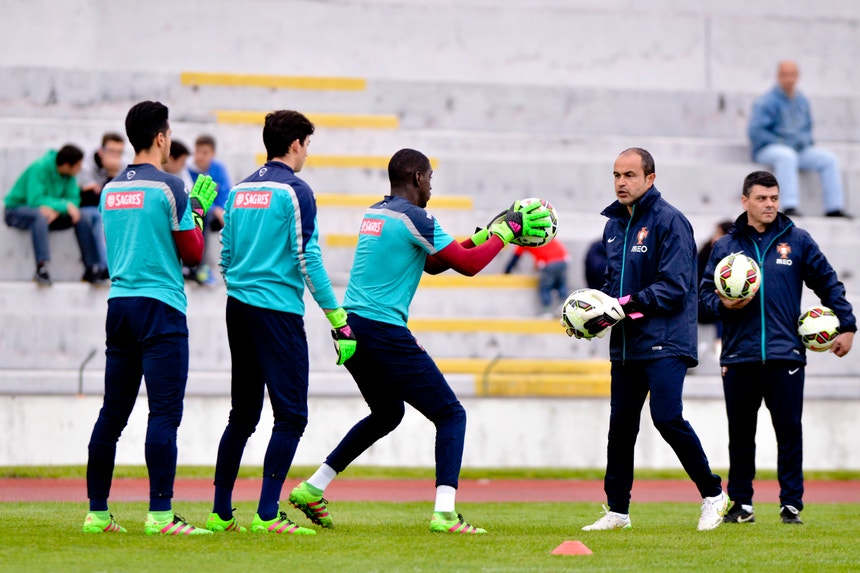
x=651 y=271
x=762 y=356
x=652 y=257
x=788 y=257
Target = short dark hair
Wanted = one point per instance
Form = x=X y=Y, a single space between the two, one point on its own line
x=647 y=160
x=404 y=165
x=144 y=122
x=205 y=139
x=69 y=155
x=112 y=136
x=763 y=178
x=282 y=128
x=178 y=149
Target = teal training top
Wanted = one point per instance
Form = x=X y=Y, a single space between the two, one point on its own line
x=393 y=243
x=270 y=248
x=141 y=208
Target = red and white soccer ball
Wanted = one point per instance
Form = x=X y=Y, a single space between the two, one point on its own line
x=581 y=306
x=818 y=328
x=737 y=276
x=528 y=240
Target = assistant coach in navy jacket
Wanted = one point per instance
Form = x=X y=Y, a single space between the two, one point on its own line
x=762 y=356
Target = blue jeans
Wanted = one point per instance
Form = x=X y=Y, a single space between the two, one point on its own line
x=31 y=219
x=786 y=162
x=390 y=369
x=631 y=383
x=98 y=234
x=553 y=277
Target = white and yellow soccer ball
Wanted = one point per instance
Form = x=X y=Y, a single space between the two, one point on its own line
x=818 y=327
x=581 y=306
x=737 y=276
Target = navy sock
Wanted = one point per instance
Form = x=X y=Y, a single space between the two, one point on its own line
x=98 y=505
x=223 y=504
x=269 y=497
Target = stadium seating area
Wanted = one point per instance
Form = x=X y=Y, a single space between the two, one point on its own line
x=501 y=121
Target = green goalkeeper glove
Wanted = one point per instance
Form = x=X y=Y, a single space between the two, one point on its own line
x=480 y=237
x=202 y=196
x=524 y=221
x=341 y=334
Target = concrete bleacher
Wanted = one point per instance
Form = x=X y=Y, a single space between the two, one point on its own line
x=511 y=99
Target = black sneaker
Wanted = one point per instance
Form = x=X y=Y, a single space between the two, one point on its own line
x=792 y=212
x=790 y=514
x=838 y=213
x=42 y=277
x=93 y=276
x=737 y=514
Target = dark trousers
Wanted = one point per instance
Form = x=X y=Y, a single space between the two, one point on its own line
x=780 y=385
x=269 y=350
x=145 y=339
x=631 y=382
x=390 y=369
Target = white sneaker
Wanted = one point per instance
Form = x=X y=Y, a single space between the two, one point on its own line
x=611 y=520
x=713 y=510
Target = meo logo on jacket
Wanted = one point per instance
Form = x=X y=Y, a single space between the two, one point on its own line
x=784 y=249
x=640 y=236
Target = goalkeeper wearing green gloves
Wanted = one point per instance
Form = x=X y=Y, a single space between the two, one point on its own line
x=149 y=224
x=398 y=241
x=270 y=253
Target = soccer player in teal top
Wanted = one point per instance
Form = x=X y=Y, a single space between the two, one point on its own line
x=398 y=240
x=150 y=223
x=269 y=254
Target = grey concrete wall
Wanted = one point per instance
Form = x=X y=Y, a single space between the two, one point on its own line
x=561 y=433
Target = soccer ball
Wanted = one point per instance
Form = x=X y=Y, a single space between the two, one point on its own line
x=528 y=240
x=737 y=276
x=581 y=306
x=818 y=328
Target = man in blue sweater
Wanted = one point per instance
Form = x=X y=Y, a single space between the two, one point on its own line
x=780 y=132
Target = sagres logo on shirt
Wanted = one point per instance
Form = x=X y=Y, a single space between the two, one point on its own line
x=252 y=199
x=125 y=200
x=371 y=227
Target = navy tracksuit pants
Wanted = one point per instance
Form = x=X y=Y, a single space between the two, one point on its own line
x=147 y=339
x=390 y=369
x=780 y=385
x=631 y=382
x=269 y=350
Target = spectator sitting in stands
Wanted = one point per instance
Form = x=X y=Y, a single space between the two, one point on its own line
x=99 y=168
x=595 y=265
x=780 y=132
x=176 y=163
x=551 y=262
x=45 y=198
x=720 y=230
x=204 y=162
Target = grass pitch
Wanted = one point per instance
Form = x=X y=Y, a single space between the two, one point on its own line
x=394 y=537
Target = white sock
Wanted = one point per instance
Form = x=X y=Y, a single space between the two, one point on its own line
x=322 y=477
x=747 y=508
x=445 y=495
